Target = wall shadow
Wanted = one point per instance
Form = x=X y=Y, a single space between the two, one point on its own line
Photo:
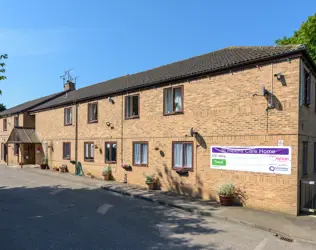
x=275 y=101
x=57 y=217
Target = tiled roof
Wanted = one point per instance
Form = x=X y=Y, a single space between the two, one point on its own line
x=207 y=63
x=29 y=105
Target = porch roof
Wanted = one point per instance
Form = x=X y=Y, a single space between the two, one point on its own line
x=23 y=135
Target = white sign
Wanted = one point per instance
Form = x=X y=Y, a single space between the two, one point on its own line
x=272 y=160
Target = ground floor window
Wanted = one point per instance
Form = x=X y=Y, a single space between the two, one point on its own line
x=182 y=155
x=89 y=151
x=140 y=153
x=66 y=150
x=16 y=148
x=110 y=152
x=305 y=158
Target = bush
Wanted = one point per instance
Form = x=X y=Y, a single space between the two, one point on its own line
x=106 y=170
x=227 y=189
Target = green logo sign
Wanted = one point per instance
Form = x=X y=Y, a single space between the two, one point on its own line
x=218 y=162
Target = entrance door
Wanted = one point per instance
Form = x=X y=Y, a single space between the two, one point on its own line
x=308 y=196
x=29 y=153
x=4 y=151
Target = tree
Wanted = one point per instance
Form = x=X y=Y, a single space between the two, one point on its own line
x=2 y=107
x=2 y=69
x=305 y=35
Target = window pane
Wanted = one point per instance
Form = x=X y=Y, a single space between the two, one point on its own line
x=137 y=153
x=305 y=158
x=177 y=155
x=95 y=112
x=86 y=151
x=135 y=105
x=187 y=155
x=144 y=153
x=127 y=106
x=107 y=152
x=113 y=155
x=168 y=100
x=92 y=151
x=177 y=106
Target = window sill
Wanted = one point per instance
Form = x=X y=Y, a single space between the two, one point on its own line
x=89 y=160
x=68 y=124
x=132 y=117
x=174 y=113
x=110 y=162
x=96 y=121
x=183 y=169
x=140 y=165
x=67 y=159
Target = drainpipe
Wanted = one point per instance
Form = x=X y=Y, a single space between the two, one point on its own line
x=76 y=132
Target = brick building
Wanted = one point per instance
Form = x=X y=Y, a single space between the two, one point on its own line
x=170 y=117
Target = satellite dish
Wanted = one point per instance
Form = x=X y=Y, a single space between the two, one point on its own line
x=192 y=132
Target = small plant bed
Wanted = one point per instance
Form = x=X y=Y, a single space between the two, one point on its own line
x=89 y=174
x=55 y=168
x=63 y=168
x=152 y=182
x=107 y=173
x=226 y=194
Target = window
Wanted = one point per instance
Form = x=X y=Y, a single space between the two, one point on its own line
x=4 y=124
x=16 y=121
x=140 y=153
x=16 y=148
x=307 y=88
x=305 y=158
x=182 y=155
x=67 y=116
x=314 y=156
x=66 y=150
x=132 y=106
x=110 y=152
x=173 y=100
x=92 y=112
x=89 y=151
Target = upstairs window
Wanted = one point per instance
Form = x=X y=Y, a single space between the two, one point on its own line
x=132 y=107
x=92 y=112
x=16 y=121
x=66 y=150
x=89 y=151
x=307 y=88
x=140 y=154
x=173 y=100
x=182 y=155
x=67 y=116
x=4 y=124
x=110 y=152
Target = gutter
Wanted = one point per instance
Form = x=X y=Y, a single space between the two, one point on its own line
x=299 y=52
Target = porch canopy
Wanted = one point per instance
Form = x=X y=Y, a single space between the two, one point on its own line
x=23 y=135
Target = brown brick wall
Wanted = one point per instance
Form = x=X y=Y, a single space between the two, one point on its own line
x=221 y=109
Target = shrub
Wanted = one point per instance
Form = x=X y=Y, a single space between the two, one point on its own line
x=106 y=170
x=227 y=189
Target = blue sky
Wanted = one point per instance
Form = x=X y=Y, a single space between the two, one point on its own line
x=104 y=39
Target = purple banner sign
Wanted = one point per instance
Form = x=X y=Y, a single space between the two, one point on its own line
x=258 y=151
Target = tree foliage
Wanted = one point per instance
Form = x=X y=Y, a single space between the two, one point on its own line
x=2 y=67
x=305 y=35
x=2 y=107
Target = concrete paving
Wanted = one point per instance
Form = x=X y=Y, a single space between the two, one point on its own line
x=41 y=209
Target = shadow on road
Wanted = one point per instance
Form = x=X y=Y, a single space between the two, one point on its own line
x=53 y=217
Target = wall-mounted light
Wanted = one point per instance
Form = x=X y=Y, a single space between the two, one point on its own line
x=108 y=124
x=111 y=100
x=279 y=75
